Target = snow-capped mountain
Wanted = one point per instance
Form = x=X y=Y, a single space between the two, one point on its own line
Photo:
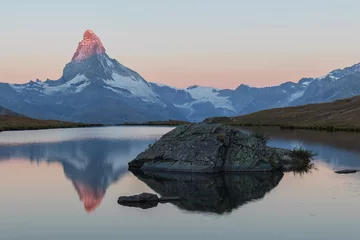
x=93 y=88
x=98 y=89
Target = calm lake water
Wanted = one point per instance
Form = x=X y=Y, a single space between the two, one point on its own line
x=64 y=184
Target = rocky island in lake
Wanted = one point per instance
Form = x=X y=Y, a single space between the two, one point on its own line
x=211 y=148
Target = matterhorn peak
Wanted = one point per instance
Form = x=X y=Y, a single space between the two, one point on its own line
x=89 y=46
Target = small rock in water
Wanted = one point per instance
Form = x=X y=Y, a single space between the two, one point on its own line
x=143 y=197
x=142 y=205
x=348 y=171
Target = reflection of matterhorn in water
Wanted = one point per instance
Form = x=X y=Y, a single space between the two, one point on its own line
x=91 y=197
x=92 y=181
x=91 y=165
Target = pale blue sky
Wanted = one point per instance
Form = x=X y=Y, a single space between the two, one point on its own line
x=215 y=43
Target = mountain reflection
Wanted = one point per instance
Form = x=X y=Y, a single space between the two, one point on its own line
x=211 y=193
x=92 y=181
x=91 y=165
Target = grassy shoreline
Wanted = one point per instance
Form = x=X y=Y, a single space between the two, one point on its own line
x=29 y=128
x=168 y=123
x=20 y=123
x=298 y=127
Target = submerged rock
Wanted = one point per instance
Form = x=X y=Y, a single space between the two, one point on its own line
x=213 y=148
x=210 y=193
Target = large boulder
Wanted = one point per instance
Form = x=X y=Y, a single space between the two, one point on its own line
x=212 y=148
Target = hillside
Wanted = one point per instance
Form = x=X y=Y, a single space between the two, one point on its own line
x=13 y=123
x=5 y=111
x=338 y=115
x=158 y=123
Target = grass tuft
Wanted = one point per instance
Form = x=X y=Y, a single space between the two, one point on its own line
x=221 y=137
x=304 y=169
x=303 y=153
x=261 y=135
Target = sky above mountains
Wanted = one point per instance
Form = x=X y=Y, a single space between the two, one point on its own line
x=182 y=43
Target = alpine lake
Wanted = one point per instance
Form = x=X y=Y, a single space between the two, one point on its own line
x=64 y=184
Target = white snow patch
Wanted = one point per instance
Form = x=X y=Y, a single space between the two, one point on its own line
x=106 y=63
x=17 y=87
x=70 y=85
x=306 y=83
x=75 y=85
x=322 y=77
x=164 y=85
x=137 y=87
x=208 y=94
x=329 y=75
x=109 y=63
x=187 y=107
x=296 y=95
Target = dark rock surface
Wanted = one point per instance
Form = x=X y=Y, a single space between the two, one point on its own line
x=347 y=171
x=142 y=205
x=212 y=148
x=211 y=193
x=144 y=200
x=143 y=197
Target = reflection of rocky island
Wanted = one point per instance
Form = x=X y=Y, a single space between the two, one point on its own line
x=91 y=165
x=211 y=193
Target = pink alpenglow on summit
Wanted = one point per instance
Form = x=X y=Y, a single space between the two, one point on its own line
x=89 y=46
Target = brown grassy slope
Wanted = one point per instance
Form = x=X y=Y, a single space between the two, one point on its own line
x=158 y=123
x=339 y=114
x=8 y=123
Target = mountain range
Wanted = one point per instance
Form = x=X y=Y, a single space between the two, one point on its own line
x=95 y=88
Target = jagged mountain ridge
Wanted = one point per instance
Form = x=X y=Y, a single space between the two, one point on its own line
x=338 y=84
x=98 y=89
